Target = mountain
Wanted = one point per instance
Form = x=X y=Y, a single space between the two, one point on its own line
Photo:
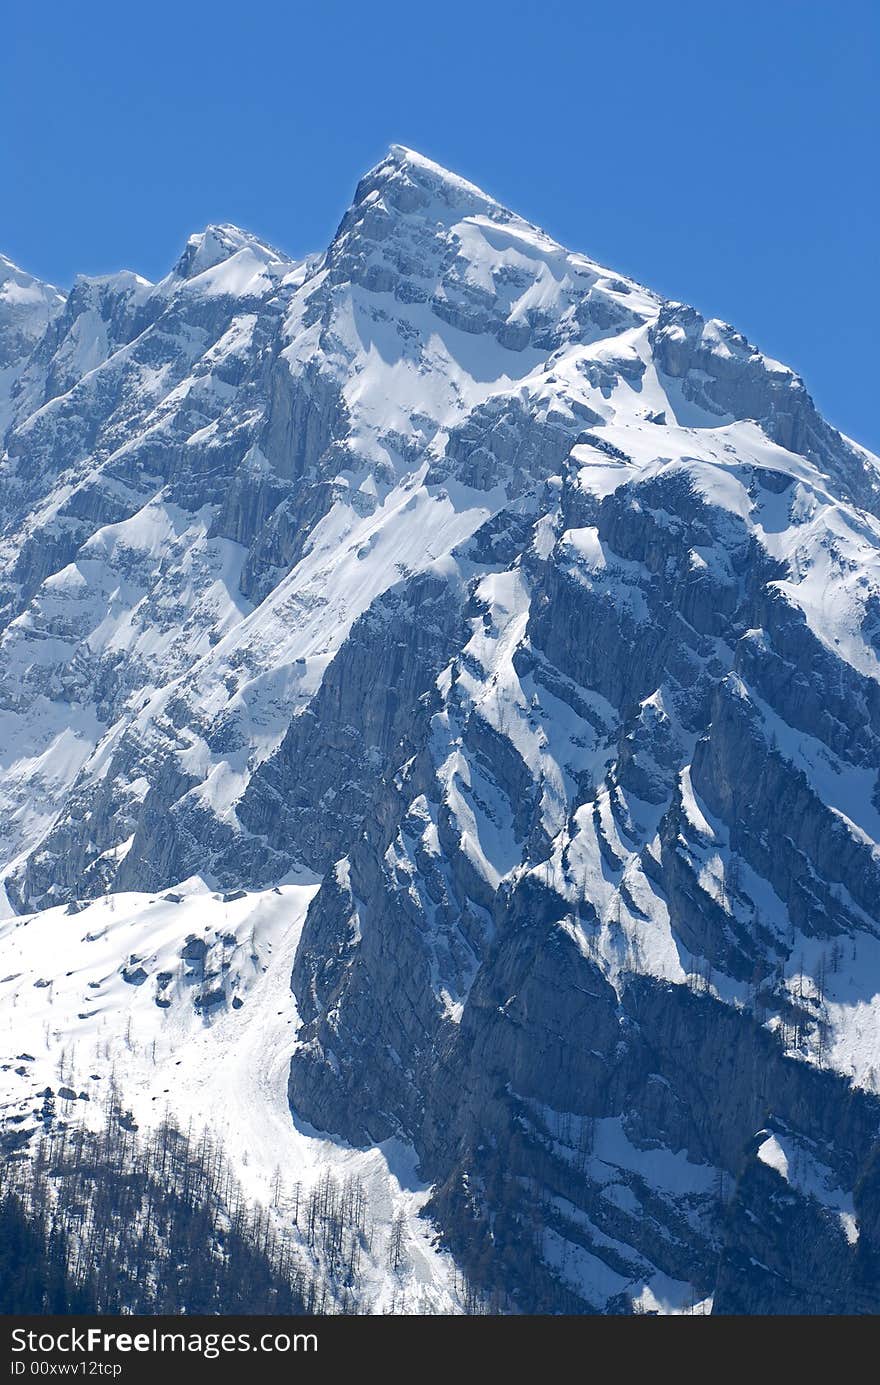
x=454 y=623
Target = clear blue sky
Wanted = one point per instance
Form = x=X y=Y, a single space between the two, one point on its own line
x=723 y=153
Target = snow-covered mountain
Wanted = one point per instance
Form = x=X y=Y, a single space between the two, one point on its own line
x=513 y=636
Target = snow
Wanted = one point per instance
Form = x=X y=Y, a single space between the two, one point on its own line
x=242 y=275
x=692 y=809
x=224 y=1070
x=794 y=1161
x=773 y=1155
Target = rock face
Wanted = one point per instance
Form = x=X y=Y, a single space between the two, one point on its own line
x=540 y=617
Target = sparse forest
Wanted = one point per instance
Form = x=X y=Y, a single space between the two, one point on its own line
x=116 y=1221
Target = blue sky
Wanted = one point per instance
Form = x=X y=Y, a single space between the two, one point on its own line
x=725 y=154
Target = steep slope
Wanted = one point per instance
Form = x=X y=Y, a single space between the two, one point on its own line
x=181 y=1003
x=539 y=618
x=324 y=466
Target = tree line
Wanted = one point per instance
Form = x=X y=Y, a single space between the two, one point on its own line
x=113 y=1221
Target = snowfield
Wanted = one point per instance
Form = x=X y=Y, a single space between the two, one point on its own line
x=96 y=1024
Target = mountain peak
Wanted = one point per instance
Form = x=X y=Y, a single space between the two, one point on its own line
x=410 y=181
x=18 y=283
x=219 y=242
x=27 y=306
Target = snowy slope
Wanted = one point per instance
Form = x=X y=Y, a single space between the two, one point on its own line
x=133 y=1002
